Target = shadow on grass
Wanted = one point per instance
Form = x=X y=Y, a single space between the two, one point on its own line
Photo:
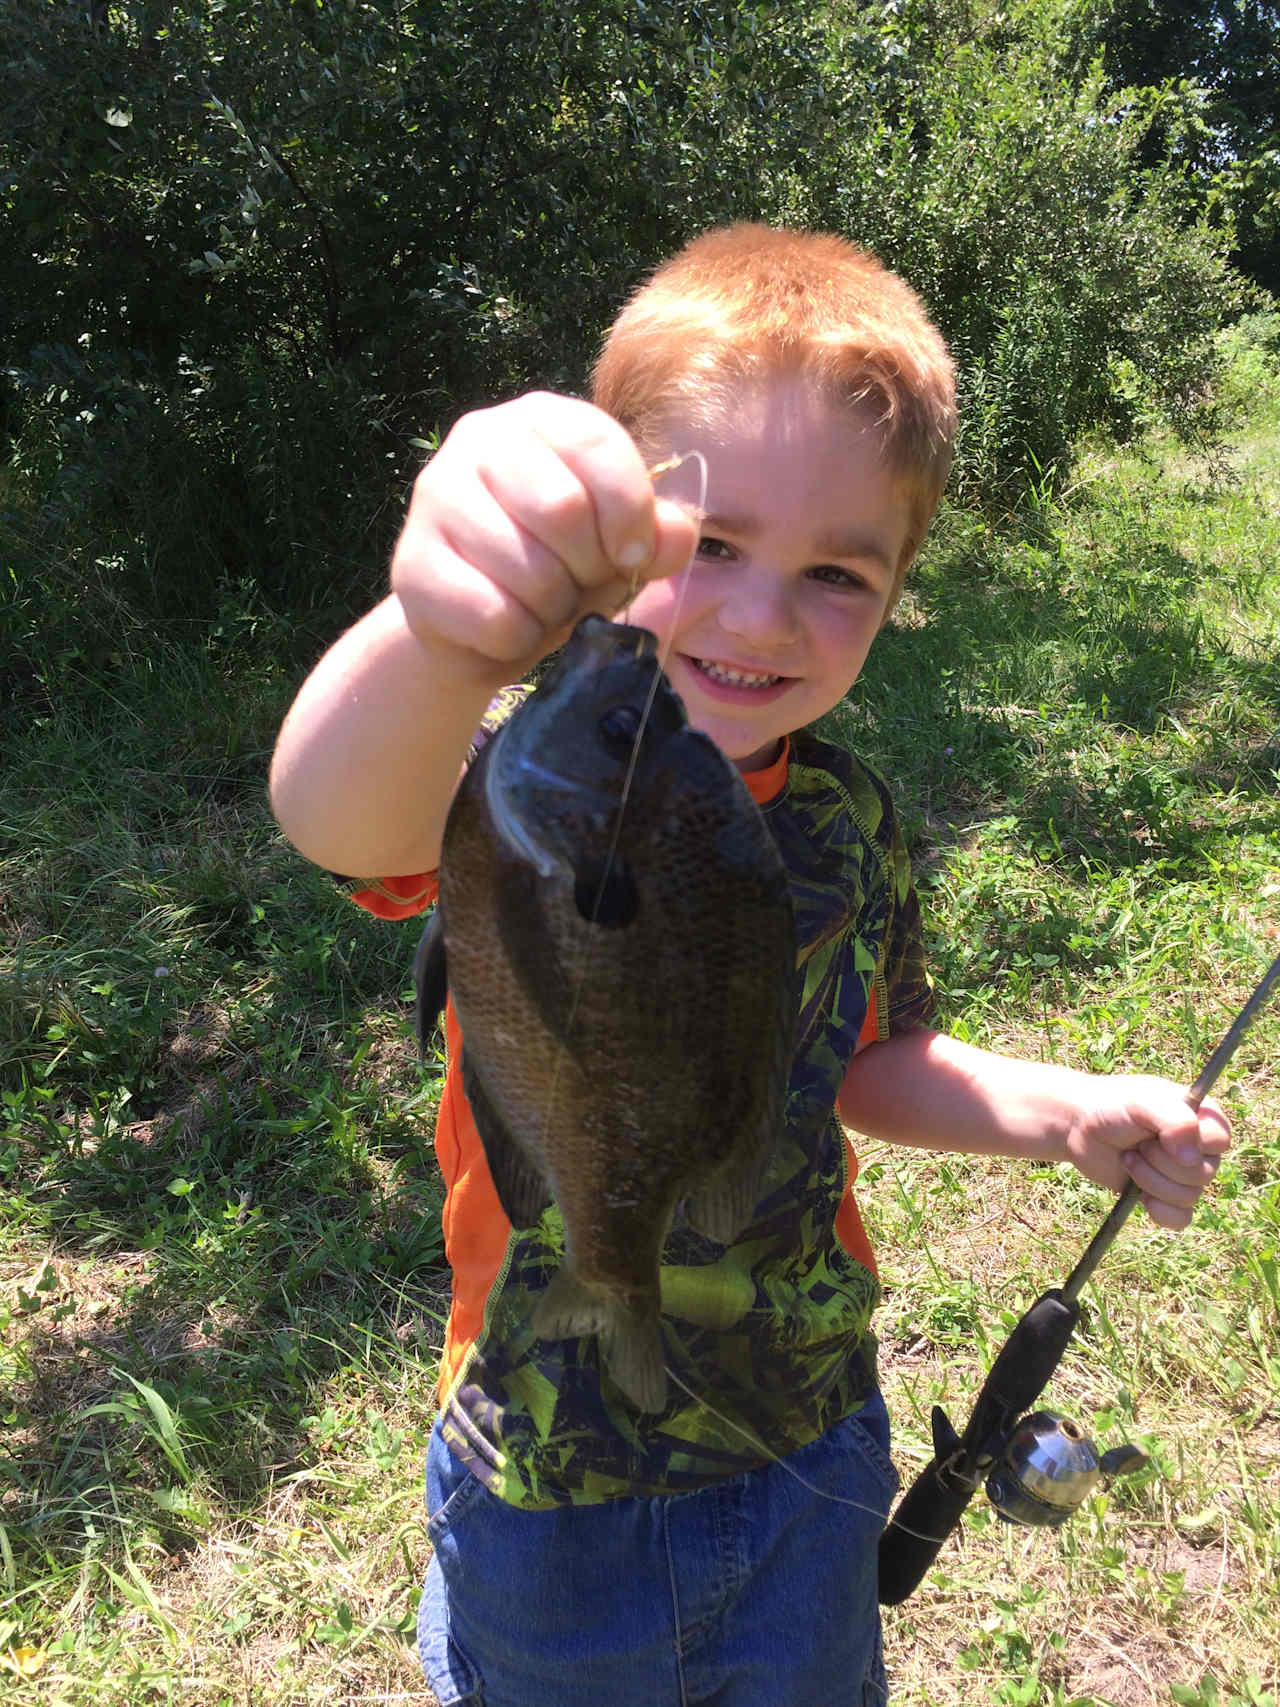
x=257 y=1214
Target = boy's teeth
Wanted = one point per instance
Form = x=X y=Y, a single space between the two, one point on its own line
x=738 y=678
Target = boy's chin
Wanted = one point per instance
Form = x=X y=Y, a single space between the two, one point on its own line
x=749 y=750
x=745 y=754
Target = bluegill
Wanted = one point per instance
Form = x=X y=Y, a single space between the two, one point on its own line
x=615 y=928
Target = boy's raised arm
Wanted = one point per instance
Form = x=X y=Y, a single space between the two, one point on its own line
x=369 y=755
x=530 y=515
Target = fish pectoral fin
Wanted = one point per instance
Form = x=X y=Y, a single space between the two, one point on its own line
x=521 y=1189
x=630 y=1340
x=430 y=974
x=722 y=1208
x=604 y=891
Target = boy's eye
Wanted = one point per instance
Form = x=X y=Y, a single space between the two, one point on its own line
x=708 y=546
x=834 y=576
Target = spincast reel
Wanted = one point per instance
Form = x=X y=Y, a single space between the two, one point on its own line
x=1050 y=1467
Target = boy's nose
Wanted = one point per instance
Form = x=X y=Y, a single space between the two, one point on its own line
x=760 y=609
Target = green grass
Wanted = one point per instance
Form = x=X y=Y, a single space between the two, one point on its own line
x=221 y=1291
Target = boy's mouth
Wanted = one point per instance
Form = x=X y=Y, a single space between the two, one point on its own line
x=730 y=676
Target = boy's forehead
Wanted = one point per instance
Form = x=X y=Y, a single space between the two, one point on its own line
x=780 y=410
x=781 y=455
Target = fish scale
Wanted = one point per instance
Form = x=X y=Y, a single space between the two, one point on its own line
x=624 y=980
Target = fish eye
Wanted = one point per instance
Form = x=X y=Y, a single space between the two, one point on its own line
x=619 y=724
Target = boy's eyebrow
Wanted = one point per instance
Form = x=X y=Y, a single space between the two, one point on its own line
x=855 y=544
x=851 y=542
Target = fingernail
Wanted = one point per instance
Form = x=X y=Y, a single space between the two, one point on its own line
x=635 y=554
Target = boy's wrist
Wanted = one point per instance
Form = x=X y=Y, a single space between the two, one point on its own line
x=449 y=661
x=1055 y=1097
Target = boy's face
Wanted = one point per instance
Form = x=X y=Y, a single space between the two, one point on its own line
x=800 y=545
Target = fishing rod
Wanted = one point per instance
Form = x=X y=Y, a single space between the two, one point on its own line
x=1039 y=1467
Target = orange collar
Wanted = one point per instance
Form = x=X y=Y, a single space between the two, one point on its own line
x=764 y=784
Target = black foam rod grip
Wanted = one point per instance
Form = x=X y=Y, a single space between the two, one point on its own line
x=927 y=1513
x=1024 y=1367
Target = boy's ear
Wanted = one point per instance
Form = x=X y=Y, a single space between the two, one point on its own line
x=909 y=549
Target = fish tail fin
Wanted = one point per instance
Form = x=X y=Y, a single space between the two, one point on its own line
x=630 y=1340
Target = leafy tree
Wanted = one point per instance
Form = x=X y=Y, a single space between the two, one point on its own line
x=1004 y=180
x=256 y=249
x=1229 y=50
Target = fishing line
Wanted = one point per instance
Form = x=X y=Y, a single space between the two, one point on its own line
x=686 y=574
x=772 y=1457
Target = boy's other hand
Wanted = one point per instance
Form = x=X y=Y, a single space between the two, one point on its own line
x=1141 y=1128
x=530 y=515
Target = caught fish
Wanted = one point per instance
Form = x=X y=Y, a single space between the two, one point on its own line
x=615 y=927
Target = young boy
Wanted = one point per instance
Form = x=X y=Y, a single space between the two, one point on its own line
x=723 y=1550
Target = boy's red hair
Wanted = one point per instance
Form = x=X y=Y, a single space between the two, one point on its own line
x=747 y=303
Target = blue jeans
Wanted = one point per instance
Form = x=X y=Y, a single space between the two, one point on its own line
x=753 y=1592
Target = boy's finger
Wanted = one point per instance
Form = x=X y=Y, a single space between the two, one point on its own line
x=1186 y=1133
x=476 y=613
x=609 y=467
x=486 y=534
x=543 y=497
x=478 y=579
x=1167 y=1214
x=1215 y=1129
x=1155 y=1170
x=1185 y=1144
x=677 y=533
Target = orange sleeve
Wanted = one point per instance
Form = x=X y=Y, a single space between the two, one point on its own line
x=398 y=897
x=476 y=1229
x=848 y=1224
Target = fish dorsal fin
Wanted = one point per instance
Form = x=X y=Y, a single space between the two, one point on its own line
x=430 y=974
x=521 y=1189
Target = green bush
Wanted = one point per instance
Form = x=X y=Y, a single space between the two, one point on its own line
x=258 y=253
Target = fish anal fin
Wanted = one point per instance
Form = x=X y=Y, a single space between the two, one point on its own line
x=521 y=1189
x=722 y=1207
x=630 y=1339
